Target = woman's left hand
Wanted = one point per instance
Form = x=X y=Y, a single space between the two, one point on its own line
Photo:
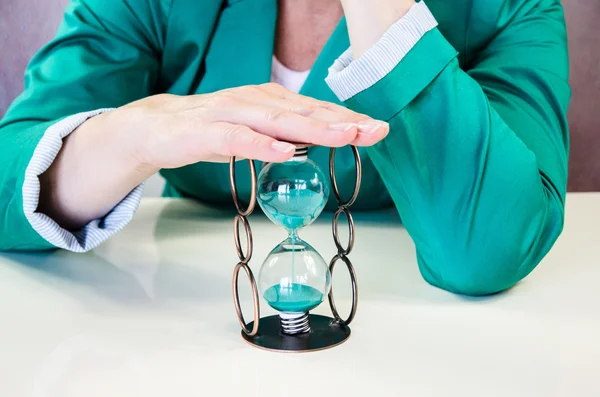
x=369 y=20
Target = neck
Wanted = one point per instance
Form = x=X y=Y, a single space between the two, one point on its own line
x=311 y=5
x=303 y=28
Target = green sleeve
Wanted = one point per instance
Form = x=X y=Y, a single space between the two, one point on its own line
x=105 y=54
x=476 y=160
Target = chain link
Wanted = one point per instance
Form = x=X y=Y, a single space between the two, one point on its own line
x=336 y=315
x=336 y=234
x=236 y=298
x=334 y=186
x=244 y=257
x=234 y=193
x=343 y=207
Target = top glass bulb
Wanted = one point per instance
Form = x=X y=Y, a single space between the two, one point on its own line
x=292 y=194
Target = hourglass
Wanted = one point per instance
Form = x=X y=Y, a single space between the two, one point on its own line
x=294 y=278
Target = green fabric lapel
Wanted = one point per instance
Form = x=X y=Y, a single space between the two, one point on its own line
x=315 y=85
x=242 y=46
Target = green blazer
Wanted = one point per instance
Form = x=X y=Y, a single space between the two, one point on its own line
x=475 y=162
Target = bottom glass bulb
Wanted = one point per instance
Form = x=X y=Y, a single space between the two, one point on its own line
x=294 y=278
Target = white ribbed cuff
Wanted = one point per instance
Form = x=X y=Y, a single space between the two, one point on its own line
x=347 y=77
x=95 y=232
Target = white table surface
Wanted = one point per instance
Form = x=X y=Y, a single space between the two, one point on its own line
x=149 y=313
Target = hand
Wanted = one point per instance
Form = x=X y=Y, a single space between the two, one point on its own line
x=255 y=122
x=369 y=20
x=110 y=154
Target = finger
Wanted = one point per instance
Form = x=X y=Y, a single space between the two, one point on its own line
x=217 y=158
x=370 y=132
x=274 y=95
x=279 y=92
x=284 y=125
x=227 y=140
x=368 y=137
x=313 y=111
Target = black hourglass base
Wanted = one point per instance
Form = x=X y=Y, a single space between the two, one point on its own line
x=324 y=333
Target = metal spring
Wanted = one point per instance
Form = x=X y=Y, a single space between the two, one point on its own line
x=292 y=325
x=301 y=151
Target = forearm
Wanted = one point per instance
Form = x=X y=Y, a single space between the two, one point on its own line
x=469 y=191
x=475 y=161
x=94 y=170
x=481 y=206
x=368 y=20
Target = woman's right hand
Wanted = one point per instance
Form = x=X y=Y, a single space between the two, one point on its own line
x=254 y=122
x=112 y=153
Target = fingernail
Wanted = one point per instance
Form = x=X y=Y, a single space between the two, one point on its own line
x=283 y=147
x=345 y=127
x=370 y=126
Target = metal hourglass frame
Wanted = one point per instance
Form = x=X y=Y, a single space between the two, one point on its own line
x=325 y=332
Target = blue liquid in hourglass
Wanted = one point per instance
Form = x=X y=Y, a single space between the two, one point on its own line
x=296 y=298
x=293 y=209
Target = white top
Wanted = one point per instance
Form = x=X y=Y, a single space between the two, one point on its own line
x=290 y=79
x=149 y=313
